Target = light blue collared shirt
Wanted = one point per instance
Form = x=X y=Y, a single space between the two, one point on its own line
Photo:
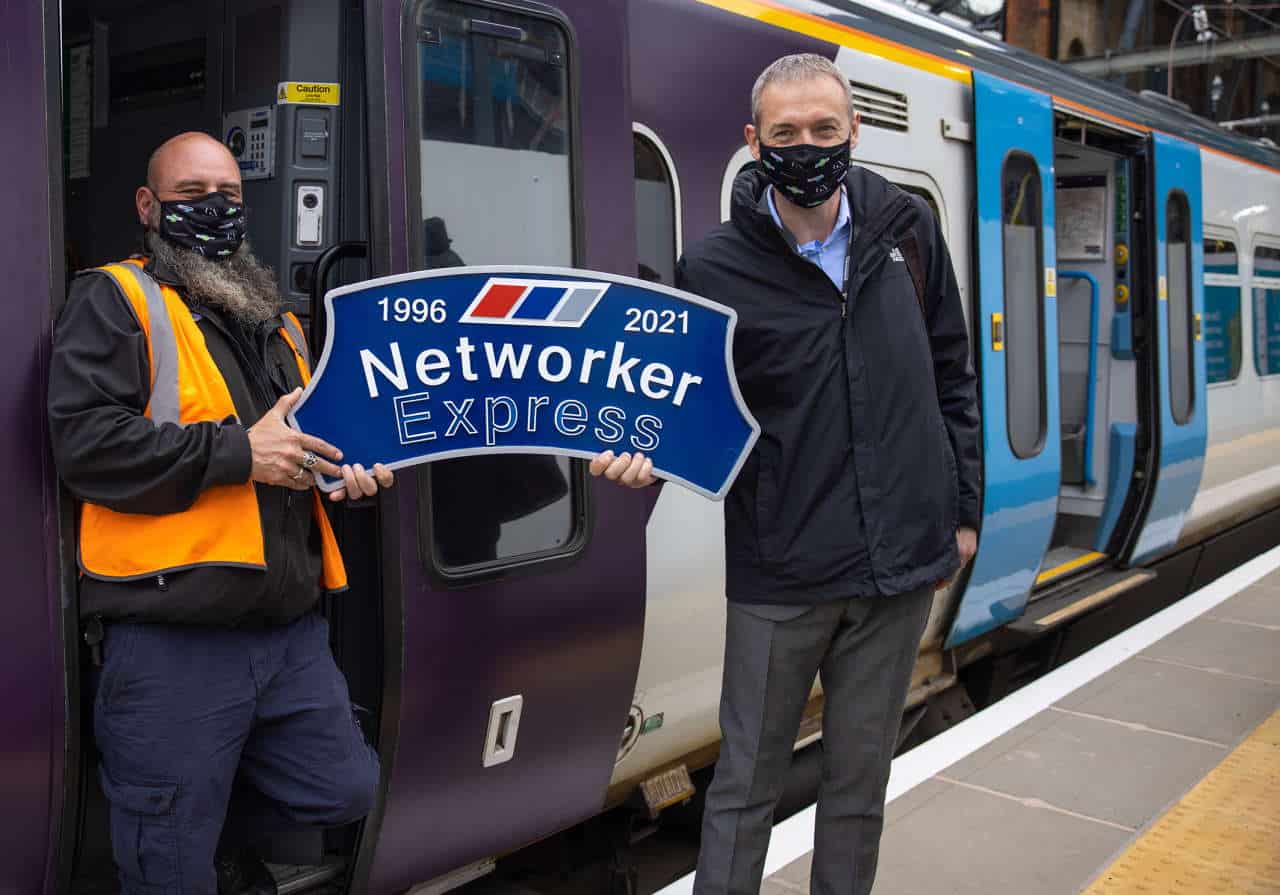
x=829 y=254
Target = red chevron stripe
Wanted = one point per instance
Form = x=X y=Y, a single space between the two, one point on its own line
x=498 y=301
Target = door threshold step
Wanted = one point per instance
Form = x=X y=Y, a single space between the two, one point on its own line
x=1073 y=601
x=291 y=880
x=1063 y=562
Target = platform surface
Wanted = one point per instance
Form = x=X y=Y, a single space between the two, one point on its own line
x=1159 y=776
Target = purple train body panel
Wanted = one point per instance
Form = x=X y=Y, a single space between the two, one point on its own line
x=31 y=735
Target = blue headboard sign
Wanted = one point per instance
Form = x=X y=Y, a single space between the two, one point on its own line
x=534 y=360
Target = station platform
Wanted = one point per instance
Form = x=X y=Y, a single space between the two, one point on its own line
x=1149 y=765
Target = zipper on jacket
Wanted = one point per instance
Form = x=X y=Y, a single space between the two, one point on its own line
x=162 y=583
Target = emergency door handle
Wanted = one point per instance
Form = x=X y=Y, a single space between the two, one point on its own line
x=997 y=331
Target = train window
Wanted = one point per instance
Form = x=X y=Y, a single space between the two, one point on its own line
x=1023 y=239
x=1223 y=341
x=495 y=150
x=1177 y=242
x=923 y=194
x=1266 y=310
x=493 y=102
x=657 y=242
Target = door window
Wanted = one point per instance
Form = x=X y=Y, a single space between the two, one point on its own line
x=657 y=244
x=1182 y=375
x=1223 y=340
x=1023 y=239
x=494 y=107
x=1266 y=310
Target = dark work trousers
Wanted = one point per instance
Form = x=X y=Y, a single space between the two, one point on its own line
x=864 y=649
x=184 y=713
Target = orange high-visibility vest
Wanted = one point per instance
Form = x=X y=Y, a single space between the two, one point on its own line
x=223 y=527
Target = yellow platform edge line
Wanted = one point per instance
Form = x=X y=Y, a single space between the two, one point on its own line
x=1068 y=566
x=1222 y=837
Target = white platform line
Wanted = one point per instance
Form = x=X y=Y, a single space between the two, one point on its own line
x=793 y=838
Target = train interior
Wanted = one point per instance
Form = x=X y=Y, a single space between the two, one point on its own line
x=137 y=73
x=1099 y=246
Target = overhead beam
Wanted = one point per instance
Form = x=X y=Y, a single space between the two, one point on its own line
x=1184 y=55
x=1257 y=121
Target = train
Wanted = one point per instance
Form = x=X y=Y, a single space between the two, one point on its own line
x=1119 y=260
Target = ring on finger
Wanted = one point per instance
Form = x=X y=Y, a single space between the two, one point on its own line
x=309 y=459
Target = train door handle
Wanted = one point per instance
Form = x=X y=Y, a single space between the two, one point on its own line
x=997 y=331
x=504 y=726
x=1198 y=328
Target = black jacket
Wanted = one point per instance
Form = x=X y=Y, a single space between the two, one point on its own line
x=869 y=451
x=108 y=452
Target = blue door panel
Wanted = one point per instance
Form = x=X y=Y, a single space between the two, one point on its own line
x=1182 y=445
x=1020 y=498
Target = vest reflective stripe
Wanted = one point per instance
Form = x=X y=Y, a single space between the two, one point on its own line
x=223 y=526
x=163 y=407
x=298 y=342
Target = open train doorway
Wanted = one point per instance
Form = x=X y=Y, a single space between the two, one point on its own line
x=136 y=74
x=1102 y=271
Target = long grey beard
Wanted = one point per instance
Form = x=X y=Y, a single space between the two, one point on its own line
x=241 y=285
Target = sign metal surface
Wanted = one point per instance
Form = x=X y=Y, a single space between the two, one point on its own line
x=535 y=360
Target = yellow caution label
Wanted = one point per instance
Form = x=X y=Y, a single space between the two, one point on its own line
x=310 y=93
x=1164 y=289
x=1051 y=282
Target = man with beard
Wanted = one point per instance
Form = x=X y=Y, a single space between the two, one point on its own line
x=203 y=544
x=861 y=495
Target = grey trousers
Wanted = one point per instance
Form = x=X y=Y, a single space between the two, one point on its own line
x=865 y=649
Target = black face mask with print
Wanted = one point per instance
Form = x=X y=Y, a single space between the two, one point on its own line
x=806 y=174
x=212 y=225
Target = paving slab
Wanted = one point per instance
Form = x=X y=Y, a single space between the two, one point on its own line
x=1236 y=649
x=973 y=843
x=1272 y=580
x=796 y=874
x=913 y=800
x=1096 y=768
x=1181 y=700
x=1260 y=605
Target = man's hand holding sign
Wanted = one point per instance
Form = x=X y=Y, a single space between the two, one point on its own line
x=629 y=374
x=292 y=459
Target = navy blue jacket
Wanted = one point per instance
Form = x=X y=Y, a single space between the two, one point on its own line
x=869 y=455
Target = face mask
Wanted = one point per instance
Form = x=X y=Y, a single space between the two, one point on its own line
x=212 y=225
x=807 y=175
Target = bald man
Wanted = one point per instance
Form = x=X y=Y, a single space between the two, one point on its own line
x=203 y=544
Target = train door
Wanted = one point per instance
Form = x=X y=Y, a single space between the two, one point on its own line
x=1016 y=325
x=1100 y=230
x=513 y=655
x=1178 y=254
x=1131 y=366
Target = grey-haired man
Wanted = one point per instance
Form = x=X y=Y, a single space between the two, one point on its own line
x=862 y=494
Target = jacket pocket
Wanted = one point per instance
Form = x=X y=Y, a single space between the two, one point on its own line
x=144 y=832
x=768 y=531
x=953 y=477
